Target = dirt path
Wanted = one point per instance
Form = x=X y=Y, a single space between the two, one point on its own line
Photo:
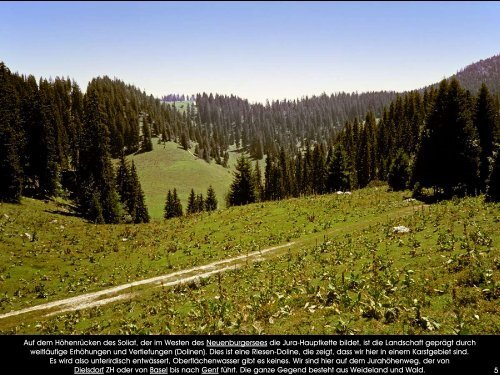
x=126 y=291
x=121 y=292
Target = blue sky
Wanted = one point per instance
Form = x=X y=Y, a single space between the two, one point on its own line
x=255 y=50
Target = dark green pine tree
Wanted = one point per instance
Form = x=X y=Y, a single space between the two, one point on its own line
x=169 y=210
x=147 y=144
x=124 y=185
x=11 y=174
x=242 y=190
x=173 y=206
x=258 y=153
x=206 y=154
x=296 y=191
x=493 y=181
x=399 y=172
x=76 y=122
x=305 y=181
x=139 y=207
x=363 y=160
x=200 y=203
x=318 y=170
x=164 y=134
x=225 y=159
x=184 y=141
x=211 y=201
x=272 y=190
x=448 y=154
x=30 y=115
x=192 y=204
x=353 y=151
x=382 y=149
x=425 y=169
x=485 y=120
x=95 y=211
x=95 y=172
x=47 y=165
x=338 y=178
x=259 y=188
x=371 y=129
x=283 y=171
x=177 y=204
x=60 y=91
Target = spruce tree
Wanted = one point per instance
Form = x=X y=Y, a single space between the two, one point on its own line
x=95 y=172
x=169 y=210
x=139 y=207
x=363 y=159
x=211 y=201
x=130 y=191
x=353 y=151
x=485 y=120
x=448 y=154
x=271 y=182
x=147 y=145
x=177 y=204
x=192 y=207
x=381 y=144
x=258 y=153
x=48 y=168
x=11 y=174
x=318 y=170
x=298 y=175
x=206 y=153
x=163 y=134
x=173 y=206
x=283 y=172
x=371 y=128
x=200 y=203
x=306 y=181
x=338 y=171
x=123 y=183
x=242 y=190
x=259 y=188
x=184 y=141
x=30 y=114
x=399 y=173
x=76 y=122
x=225 y=160
x=95 y=211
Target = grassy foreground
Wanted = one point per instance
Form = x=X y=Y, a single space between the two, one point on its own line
x=347 y=272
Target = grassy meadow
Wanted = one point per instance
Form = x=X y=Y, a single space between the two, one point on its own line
x=169 y=166
x=346 y=271
x=181 y=106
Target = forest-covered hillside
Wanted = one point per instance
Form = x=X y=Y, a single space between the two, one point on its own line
x=484 y=71
x=59 y=141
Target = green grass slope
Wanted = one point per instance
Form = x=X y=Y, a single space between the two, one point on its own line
x=169 y=166
x=347 y=271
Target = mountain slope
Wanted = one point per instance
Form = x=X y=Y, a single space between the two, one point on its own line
x=487 y=71
x=169 y=167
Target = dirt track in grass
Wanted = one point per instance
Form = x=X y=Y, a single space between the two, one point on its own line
x=126 y=291
x=132 y=289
